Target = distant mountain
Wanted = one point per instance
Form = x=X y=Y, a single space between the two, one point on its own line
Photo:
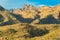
x=29 y=14
x=1 y=8
x=40 y=13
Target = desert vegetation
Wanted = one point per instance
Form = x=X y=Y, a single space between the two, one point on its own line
x=30 y=23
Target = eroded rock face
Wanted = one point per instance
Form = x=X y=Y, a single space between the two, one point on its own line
x=56 y=11
x=45 y=11
x=31 y=14
x=30 y=11
x=26 y=12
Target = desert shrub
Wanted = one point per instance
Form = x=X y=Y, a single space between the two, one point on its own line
x=12 y=31
x=1 y=33
x=1 y=18
x=26 y=36
x=56 y=26
x=36 y=32
x=9 y=22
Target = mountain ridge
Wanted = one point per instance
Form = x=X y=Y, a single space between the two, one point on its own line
x=28 y=14
x=30 y=23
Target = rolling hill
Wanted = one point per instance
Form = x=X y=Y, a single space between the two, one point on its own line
x=30 y=23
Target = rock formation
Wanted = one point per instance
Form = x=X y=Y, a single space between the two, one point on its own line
x=29 y=14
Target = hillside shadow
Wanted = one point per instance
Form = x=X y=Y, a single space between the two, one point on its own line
x=18 y=17
x=21 y=19
x=9 y=22
x=49 y=20
x=1 y=18
x=35 y=32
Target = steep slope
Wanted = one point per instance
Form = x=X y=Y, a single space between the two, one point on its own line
x=6 y=18
x=40 y=13
x=30 y=23
x=49 y=20
x=29 y=14
x=45 y=11
x=26 y=12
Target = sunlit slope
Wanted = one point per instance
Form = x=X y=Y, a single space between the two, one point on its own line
x=51 y=14
x=7 y=18
x=23 y=32
x=29 y=14
x=30 y=23
x=54 y=35
x=31 y=11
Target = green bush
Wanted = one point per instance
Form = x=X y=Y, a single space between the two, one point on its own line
x=1 y=33
x=12 y=31
x=56 y=26
x=33 y=31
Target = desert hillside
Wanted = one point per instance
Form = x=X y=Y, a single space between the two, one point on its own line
x=51 y=14
x=30 y=23
x=29 y=14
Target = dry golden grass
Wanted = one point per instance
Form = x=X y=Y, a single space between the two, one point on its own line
x=11 y=27
x=18 y=32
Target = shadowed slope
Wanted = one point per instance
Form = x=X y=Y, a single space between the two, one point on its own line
x=6 y=18
x=49 y=20
x=21 y=19
x=28 y=14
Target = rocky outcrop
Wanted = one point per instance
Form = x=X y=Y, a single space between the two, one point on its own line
x=31 y=14
x=31 y=11
x=45 y=11
x=40 y=13
x=26 y=12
